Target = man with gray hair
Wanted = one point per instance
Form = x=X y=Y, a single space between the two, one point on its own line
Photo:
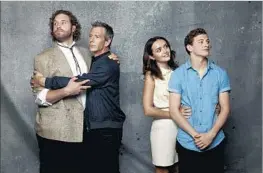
x=103 y=116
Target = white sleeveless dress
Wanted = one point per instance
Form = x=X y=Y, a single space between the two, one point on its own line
x=163 y=131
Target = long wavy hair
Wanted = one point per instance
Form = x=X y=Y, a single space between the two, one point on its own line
x=73 y=21
x=151 y=65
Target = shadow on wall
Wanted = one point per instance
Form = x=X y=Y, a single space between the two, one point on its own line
x=134 y=156
x=17 y=123
x=241 y=158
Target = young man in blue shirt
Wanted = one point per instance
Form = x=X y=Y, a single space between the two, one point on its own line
x=201 y=85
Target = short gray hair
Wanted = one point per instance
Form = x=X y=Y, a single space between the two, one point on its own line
x=108 y=29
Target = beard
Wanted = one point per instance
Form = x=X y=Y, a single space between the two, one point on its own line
x=62 y=35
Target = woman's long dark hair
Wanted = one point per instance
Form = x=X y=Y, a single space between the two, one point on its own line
x=151 y=65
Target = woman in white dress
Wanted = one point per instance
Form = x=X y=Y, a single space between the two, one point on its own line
x=158 y=63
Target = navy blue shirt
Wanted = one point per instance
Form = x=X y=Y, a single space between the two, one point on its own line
x=202 y=96
x=102 y=102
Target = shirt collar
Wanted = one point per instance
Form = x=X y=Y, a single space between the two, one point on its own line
x=210 y=64
x=94 y=58
x=66 y=46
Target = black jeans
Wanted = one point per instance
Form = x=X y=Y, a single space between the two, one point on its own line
x=60 y=157
x=102 y=150
x=211 y=161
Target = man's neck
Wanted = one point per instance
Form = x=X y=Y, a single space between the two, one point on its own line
x=100 y=52
x=67 y=42
x=198 y=62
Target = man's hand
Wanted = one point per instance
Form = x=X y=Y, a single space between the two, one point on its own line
x=203 y=140
x=37 y=81
x=186 y=111
x=75 y=88
x=114 y=57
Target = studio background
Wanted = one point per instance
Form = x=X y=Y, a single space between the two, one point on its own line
x=235 y=30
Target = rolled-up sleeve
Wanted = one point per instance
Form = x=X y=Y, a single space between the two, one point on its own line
x=224 y=83
x=174 y=84
x=41 y=98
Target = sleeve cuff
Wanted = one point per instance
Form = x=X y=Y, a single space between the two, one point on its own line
x=41 y=98
x=174 y=90
x=225 y=89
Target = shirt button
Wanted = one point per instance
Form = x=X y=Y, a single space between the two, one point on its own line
x=200 y=98
x=200 y=110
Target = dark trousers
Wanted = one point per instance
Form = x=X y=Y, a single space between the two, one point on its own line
x=102 y=150
x=211 y=161
x=60 y=157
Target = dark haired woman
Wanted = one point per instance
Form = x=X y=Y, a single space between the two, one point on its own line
x=158 y=64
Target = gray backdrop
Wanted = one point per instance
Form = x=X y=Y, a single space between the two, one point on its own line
x=235 y=30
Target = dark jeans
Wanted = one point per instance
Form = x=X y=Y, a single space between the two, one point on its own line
x=102 y=150
x=211 y=161
x=59 y=157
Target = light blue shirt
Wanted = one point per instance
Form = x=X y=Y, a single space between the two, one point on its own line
x=202 y=96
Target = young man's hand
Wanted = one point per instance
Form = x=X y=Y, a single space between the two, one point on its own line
x=203 y=140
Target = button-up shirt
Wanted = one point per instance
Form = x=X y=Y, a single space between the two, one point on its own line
x=201 y=94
